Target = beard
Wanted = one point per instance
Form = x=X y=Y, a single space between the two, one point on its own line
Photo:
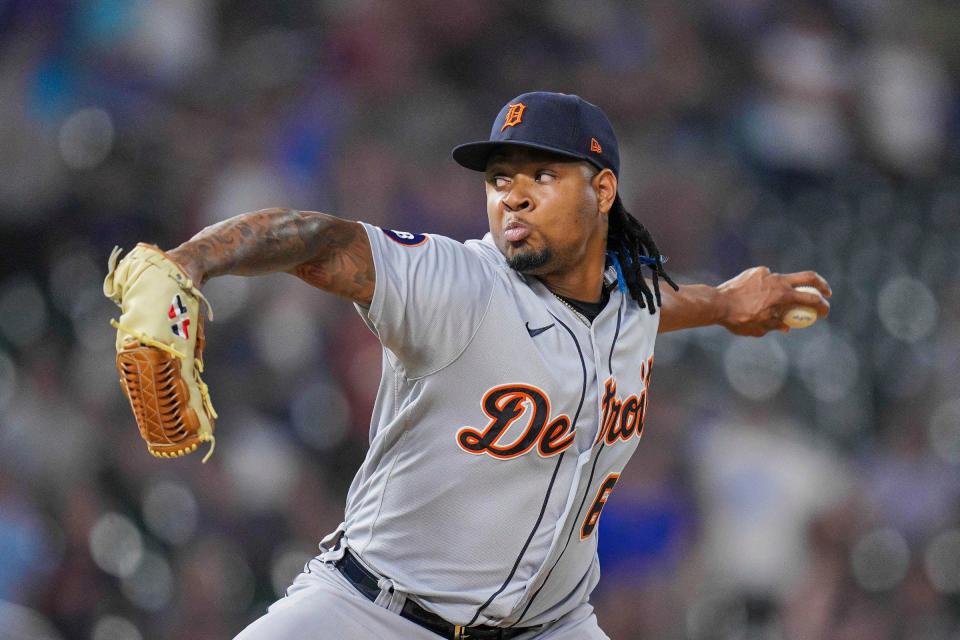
x=529 y=261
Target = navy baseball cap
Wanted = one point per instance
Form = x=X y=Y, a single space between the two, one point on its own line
x=560 y=123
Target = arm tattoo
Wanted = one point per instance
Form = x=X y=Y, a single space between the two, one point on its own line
x=324 y=251
x=344 y=265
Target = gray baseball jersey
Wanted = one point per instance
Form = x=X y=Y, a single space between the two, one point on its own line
x=501 y=425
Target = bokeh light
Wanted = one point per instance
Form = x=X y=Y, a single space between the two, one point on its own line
x=150 y=585
x=320 y=413
x=74 y=275
x=18 y=622
x=89 y=310
x=8 y=380
x=756 y=369
x=96 y=384
x=942 y=561
x=880 y=559
x=23 y=311
x=829 y=366
x=115 y=628
x=238 y=577
x=32 y=178
x=286 y=333
x=715 y=615
x=116 y=545
x=228 y=296
x=944 y=431
x=170 y=511
x=907 y=308
x=261 y=464
x=85 y=138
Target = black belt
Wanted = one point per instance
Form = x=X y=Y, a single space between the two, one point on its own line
x=367 y=584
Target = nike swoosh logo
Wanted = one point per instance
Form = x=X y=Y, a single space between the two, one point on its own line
x=535 y=332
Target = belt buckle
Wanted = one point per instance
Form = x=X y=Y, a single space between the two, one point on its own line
x=460 y=632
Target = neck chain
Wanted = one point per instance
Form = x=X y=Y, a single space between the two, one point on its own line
x=579 y=315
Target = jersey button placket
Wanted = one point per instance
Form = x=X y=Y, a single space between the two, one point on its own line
x=597 y=364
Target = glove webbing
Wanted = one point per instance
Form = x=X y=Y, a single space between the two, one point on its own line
x=204 y=390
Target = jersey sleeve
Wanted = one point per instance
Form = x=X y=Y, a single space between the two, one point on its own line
x=430 y=297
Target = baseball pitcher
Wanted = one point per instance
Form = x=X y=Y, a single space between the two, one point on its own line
x=514 y=389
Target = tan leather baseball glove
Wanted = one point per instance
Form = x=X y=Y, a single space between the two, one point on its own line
x=160 y=350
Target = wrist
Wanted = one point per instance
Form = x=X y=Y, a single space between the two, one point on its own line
x=189 y=262
x=720 y=304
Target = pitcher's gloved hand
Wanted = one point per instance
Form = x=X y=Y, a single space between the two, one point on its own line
x=160 y=350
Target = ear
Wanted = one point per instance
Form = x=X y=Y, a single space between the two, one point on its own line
x=605 y=186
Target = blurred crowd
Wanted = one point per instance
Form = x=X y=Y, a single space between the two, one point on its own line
x=800 y=486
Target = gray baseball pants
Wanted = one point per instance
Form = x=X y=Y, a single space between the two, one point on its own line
x=323 y=604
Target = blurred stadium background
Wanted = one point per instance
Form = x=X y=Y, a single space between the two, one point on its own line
x=802 y=486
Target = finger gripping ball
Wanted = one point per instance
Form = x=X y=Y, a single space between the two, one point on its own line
x=800 y=317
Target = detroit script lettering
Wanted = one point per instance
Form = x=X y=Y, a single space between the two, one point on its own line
x=506 y=404
x=623 y=419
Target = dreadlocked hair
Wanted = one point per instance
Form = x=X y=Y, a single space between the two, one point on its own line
x=631 y=243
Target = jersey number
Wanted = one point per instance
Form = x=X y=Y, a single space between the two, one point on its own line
x=593 y=515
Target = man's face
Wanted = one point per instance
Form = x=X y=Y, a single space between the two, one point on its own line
x=542 y=209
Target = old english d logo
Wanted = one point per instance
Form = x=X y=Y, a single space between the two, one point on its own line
x=514 y=115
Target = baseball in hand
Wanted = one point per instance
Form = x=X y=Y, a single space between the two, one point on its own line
x=800 y=317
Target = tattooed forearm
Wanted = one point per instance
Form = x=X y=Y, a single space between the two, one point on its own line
x=323 y=250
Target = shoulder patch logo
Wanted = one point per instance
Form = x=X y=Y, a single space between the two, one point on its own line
x=514 y=115
x=406 y=238
x=595 y=146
